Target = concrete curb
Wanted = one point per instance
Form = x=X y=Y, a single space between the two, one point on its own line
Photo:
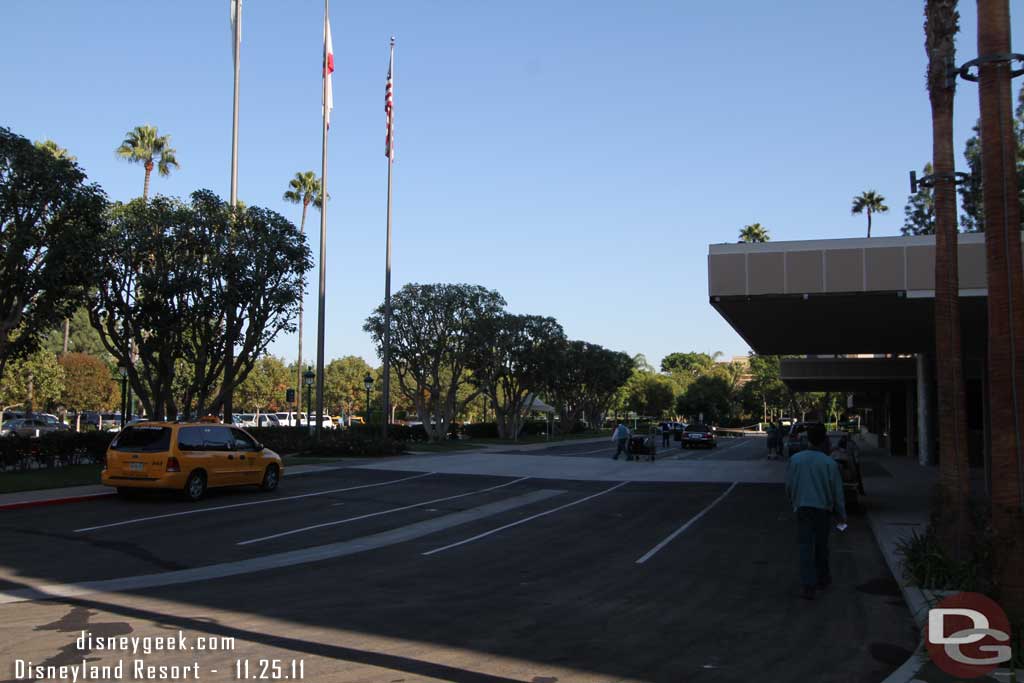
x=54 y=501
x=57 y=499
x=916 y=602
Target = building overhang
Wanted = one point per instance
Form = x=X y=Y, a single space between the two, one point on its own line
x=843 y=296
x=847 y=374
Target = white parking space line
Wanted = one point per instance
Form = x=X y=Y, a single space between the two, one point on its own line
x=377 y=514
x=523 y=521
x=277 y=560
x=650 y=553
x=137 y=520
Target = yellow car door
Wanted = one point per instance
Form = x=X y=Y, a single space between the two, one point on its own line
x=248 y=457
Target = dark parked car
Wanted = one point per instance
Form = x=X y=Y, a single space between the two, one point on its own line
x=698 y=435
x=796 y=440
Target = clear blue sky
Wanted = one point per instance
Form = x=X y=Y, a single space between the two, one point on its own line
x=576 y=156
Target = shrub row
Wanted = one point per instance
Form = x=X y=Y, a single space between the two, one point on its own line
x=54 y=449
x=332 y=442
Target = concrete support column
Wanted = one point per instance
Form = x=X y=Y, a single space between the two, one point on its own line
x=925 y=400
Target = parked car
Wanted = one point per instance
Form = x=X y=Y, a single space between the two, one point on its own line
x=28 y=427
x=289 y=419
x=796 y=439
x=258 y=420
x=698 y=435
x=188 y=457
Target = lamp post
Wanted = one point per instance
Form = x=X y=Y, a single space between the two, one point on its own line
x=122 y=371
x=308 y=379
x=368 y=383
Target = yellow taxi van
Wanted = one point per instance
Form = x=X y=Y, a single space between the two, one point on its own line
x=189 y=457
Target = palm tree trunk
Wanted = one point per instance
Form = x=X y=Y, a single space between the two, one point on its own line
x=145 y=185
x=302 y=293
x=1005 y=304
x=869 y=222
x=954 y=473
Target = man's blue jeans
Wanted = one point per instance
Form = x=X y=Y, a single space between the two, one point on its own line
x=813 y=526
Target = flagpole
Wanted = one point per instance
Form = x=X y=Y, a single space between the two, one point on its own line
x=386 y=402
x=323 y=247
x=229 y=351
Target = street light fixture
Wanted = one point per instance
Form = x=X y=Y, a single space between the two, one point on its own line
x=368 y=383
x=308 y=378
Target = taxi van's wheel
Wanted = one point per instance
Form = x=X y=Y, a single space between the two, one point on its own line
x=270 y=478
x=195 y=486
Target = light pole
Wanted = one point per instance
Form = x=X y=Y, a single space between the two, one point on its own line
x=308 y=378
x=368 y=383
x=122 y=371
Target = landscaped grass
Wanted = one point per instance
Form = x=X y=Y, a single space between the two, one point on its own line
x=50 y=478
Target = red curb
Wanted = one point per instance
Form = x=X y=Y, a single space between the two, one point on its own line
x=53 y=501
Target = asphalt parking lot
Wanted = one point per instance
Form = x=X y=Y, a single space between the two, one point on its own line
x=382 y=575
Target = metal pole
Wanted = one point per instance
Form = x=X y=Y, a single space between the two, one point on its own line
x=323 y=248
x=386 y=388
x=229 y=350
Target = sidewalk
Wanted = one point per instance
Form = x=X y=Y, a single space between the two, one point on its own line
x=898 y=501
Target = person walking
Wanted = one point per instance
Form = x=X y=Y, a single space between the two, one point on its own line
x=621 y=438
x=773 y=438
x=666 y=434
x=815 y=488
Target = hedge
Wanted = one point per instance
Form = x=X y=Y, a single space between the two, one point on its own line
x=333 y=442
x=54 y=449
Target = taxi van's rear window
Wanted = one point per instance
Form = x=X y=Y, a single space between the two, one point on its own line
x=143 y=439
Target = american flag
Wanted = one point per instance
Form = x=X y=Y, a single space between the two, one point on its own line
x=389 y=103
x=328 y=70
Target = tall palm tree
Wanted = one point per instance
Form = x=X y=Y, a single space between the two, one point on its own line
x=1005 y=308
x=54 y=149
x=754 y=233
x=871 y=202
x=305 y=188
x=941 y=26
x=143 y=145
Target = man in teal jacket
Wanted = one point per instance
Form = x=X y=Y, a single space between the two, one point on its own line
x=815 y=488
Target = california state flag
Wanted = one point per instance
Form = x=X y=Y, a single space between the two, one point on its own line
x=328 y=70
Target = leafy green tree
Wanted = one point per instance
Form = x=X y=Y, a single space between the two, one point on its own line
x=586 y=382
x=89 y=383
x=869 y=202
x=754 y=233
x=82 y=338
x=648 y=393
x=431 y=332
x=973 y=217
x=344 y=391
x=304 y=189
x=641 y=363
x=511 y=358
x=181 y=280
x=54 y=149
x=709 y=395
x=35 y=381
x=692 y=364
x=50 y=219
x=144 y=145
x=919 y=213
x=265 y=386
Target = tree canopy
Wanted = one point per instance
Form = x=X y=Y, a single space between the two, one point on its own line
x=181 y=280
x=754 y=233
x=432 y=329
x=50 y=219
